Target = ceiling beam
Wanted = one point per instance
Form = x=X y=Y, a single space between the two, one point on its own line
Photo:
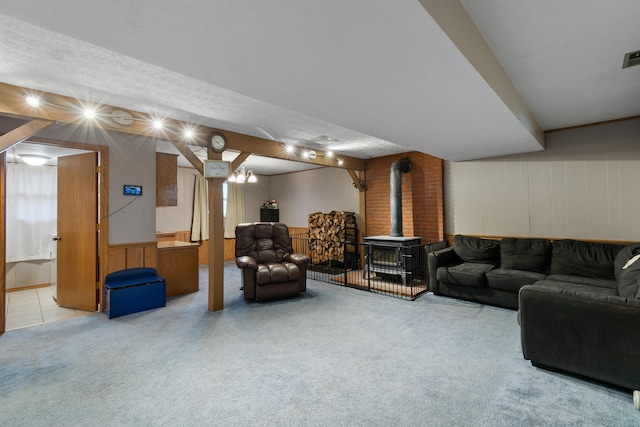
x=22 y=133
x=454 y=20
x=360 y=185
x=235 y=164
x=188 y=154
x=64 y=109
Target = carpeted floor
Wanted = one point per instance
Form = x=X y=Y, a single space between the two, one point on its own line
x=335 y=356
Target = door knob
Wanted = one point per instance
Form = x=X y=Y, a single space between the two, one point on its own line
x=56 y=237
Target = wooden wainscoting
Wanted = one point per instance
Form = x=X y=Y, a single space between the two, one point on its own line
x=132 y=255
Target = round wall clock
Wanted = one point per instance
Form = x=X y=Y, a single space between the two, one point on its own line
x=217 y=142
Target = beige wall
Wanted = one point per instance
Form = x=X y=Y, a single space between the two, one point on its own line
x=586 y=184
x=317 y=190
x=298 y=194
x=178 y=218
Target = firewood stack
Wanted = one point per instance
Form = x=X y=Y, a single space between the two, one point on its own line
x=327 y=232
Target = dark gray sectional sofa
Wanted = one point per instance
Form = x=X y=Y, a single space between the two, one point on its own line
x=578 y=301
x=488 y=271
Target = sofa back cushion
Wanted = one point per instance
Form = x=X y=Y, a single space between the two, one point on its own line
x=587 y=259
x=525 y=254
x=475 y=249
x=266 y=242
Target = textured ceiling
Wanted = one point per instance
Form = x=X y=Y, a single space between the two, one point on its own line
x=379 y=77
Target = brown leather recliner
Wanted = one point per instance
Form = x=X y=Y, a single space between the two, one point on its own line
x=270 y=269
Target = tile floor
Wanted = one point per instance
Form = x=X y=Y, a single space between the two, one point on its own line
x=34 y=307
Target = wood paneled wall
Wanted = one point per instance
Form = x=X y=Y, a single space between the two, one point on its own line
x=132 y=255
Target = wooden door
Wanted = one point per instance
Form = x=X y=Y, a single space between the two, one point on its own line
x=77 y=229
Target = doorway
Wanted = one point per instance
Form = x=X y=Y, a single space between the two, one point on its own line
x=69 y=301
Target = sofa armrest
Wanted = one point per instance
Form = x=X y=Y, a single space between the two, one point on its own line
x=587 y=334
x=246 y=262
x=442 y=258
x=297 y=258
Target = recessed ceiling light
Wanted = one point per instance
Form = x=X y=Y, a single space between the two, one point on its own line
x=157 y=124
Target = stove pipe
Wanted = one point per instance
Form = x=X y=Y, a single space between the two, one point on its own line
x=398 y=167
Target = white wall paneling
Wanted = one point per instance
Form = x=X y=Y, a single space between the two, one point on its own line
x=584 y=185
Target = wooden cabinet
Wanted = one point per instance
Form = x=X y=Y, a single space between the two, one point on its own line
x=178 y=264
x=166 y=179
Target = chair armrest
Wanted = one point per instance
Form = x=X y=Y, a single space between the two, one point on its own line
x=246 y=262
x=442 y=258
x=297 y=258
x=587 y=334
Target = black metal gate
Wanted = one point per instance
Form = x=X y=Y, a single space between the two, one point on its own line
x=370 y=267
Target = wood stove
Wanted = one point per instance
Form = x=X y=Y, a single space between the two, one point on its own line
x=394 y=257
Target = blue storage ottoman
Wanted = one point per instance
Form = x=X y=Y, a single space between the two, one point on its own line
x=133 y=290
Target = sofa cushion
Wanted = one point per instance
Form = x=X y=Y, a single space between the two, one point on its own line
x=586 y=259
x=475 y=249
x=525 y=254
x=625 y=254
x=466 y=274
x=585 y=281
x=272 y=273
x=512 y=280
x=629 y=281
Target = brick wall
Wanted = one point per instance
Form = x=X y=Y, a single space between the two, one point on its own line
x=422 y=197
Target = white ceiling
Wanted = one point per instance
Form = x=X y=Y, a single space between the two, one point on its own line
x=380 y=77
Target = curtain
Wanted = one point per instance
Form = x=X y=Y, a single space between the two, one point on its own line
x=200 y=220
x=235 y=209
x=32 y=211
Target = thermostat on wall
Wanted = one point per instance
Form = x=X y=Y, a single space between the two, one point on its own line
x=132 y=190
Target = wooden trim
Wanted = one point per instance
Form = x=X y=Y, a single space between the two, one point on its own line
x=104 y=223
x=449 y=238
x=605 y=122
x=3 y=255
x=27 y=288
x=104 y=216
x=22 y=133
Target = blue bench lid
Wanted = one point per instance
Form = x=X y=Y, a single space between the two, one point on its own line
x=132 y=276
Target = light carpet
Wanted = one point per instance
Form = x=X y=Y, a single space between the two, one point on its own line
x=334 y=356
